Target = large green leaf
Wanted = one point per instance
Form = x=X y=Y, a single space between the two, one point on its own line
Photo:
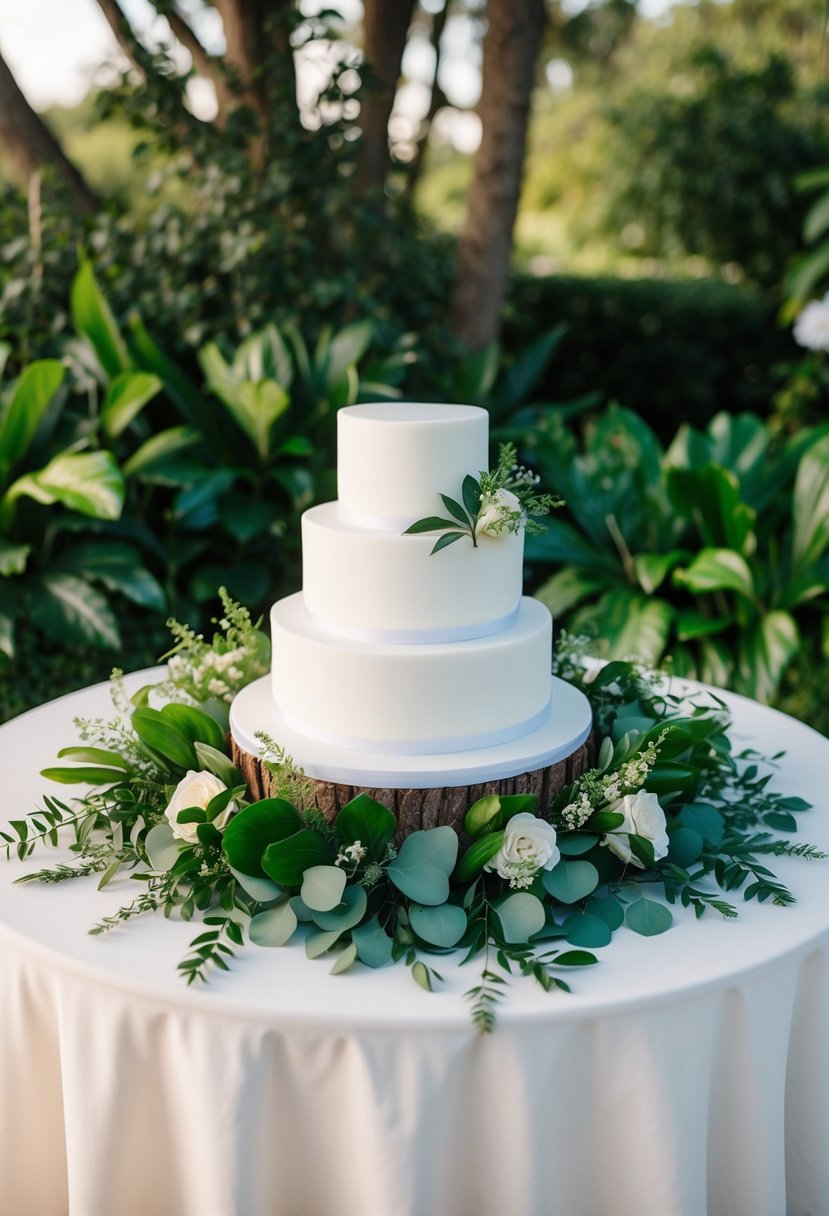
x=520 y=915
x=348 y=346
x=422 y=867
x=570 y=881
x=163 y=736
x=322 y=887
x=647 y=917
x=251 y=831
x=254 y=405
x=631 y=623
x=152 y=454
x=525 y=370
x=70 y=609
x=88 y=482
x=285 y=861
x=13 y=558
x=711 y=497
x=571 y=586
x=810 y=506
x=368 y=822
x=374 y=946
x=347 y=914
x=561 y=543
x=264 y=356
x=29 y=401
x=93 y=319
x=125 y=397
x=274 y=926
x=194 y=724
x=717 y=570
x=441 y=926
x=764 y=651
x=118 y=566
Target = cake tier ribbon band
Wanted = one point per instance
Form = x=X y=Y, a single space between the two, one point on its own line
x=405 y=637
x=421 y=747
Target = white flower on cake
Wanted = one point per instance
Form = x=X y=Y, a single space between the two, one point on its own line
x=498 y=514
x=529 y=845
x=643 y=817
x=196 y=790
x=811 y=329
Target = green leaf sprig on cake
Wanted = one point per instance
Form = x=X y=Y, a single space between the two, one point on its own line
x=668 y=815
x=493 y=504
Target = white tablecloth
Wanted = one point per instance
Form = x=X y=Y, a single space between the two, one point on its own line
x=687 y=1075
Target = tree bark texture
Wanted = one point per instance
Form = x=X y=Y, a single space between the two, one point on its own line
x=385 y=27
x=510 y=50
x=416 y=810
x=30 y=146
x=259 y=53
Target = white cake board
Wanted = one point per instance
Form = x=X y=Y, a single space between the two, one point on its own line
x=566 y=728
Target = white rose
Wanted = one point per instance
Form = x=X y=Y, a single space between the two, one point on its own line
x=495 y=512
x=811 y=329
x=196 y=790
x=529 y=845
x=643 y=817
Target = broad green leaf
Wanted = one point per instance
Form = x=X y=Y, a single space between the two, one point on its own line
x=70 y=609
x=571 y=586
x=764 y=651
x=274 y=926
x=374 y=946
x=520 y=915
x=93 y=319
x=647 y=917
x=369 y=822
x=570 y=881
x=260 y=889
x=483 y=814
x=218 y=763
x=422 y=976
x=685 y=846
x=653 y=568
x=348 y=346
x=316 y=944
x=322 y=887
x=717 y=570
x=89 y=482
x=422 y=867
x=194 y=724
x=441 y=926
x=164 y=736
x=522 y=374
x=589 y=931
x=573 y=844
x=254 y=405
x=125 y=398
x=251 y=831
x=692 y=624
x=711 y=497
x=477 y=855
x=632 y=624
x=13 y=558
x=817 y=219
x=85 y=774
x=285 y=861
x=703 y=819
x=119 y=567
x=810 y=506
x=163 y=849
x=348 y=913
x=33 y=392
x=264 y=356
x=607 y=908
x=475 y=375
x=159 y=448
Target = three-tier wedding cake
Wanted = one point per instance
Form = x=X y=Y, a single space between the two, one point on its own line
x=396 y=667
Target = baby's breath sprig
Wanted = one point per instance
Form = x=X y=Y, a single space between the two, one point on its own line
x=238 y=654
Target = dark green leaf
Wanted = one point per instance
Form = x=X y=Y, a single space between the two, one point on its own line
x=456 y=511
x=570 y=881
x=164 y=737
x=369 y=822
x=471 y=495
x=286 y=860
x=251 y=831
x=447 y=539
x=648 y=918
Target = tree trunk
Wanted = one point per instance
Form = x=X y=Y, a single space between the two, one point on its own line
x=511 y=45
x=437 y=99
x=259 y=53
x=30 y=146
x=385 y=26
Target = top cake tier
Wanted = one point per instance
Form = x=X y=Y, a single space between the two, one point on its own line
x=394 y=459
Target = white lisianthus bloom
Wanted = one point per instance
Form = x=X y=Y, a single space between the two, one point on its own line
x=529 y=845
x=811 y=329
x=196 y=790
x=643 y=817
x=496 y=512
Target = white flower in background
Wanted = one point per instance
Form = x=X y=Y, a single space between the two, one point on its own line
x=811 y=329
x=196 y=790
x=497 y=513
x=643 y=817
x=529 y=845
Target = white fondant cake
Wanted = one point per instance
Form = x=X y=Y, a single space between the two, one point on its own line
x=391 y=652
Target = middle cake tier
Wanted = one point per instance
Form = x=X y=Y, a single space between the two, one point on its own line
x=382 y=586
x=411 y=699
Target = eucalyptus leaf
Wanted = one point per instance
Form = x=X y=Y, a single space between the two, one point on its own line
x=685 y=847
x=422 y=867
x=608 y=908
x=374 y=946
x=520 y=915
x=442 y=926
x=584 y=929
x=273 y=927
x=348 y=913
x=322 y=887
x=345 y=960
x=421 y=976
x=260 y=889
x=647 y=917
x=570 y=881
x=163 y=848
x=316 y=944
x=573 y=844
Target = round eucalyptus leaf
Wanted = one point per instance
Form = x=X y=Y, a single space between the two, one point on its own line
x=610 y=910
x=162 y=847
x=588 y=931
x=704 y=819
x=520 y=916
x=570 y=881
x=344 y=961
x=348 y=913
x=273 y=927
x=317 y=943
x=322 y=887
x=260 y=889
x=647 y=917
x=303 y=912
x=441 y=926
x=374 y=946
x=684 y=846
x=422 y=867
x=573 y=844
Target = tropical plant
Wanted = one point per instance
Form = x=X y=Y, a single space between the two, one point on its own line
x=710 y=553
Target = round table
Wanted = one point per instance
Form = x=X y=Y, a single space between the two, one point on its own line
x=686 y=1075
